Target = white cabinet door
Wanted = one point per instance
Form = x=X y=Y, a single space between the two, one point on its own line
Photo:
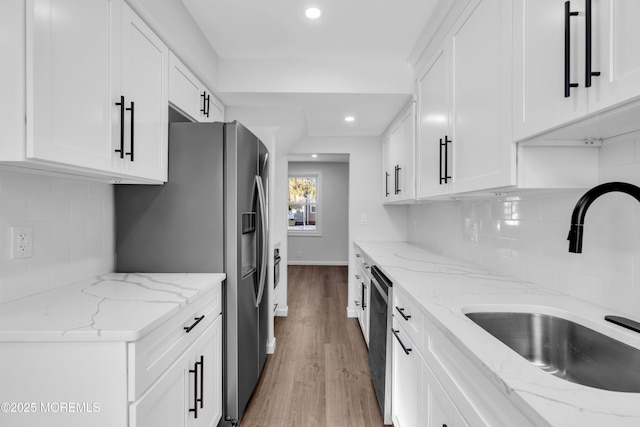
x=399 y=158
x=433 y=125
x=483 y=154
x=145 y=87
x=165 y=403
x=407 y=396
x=615 y=38
x=539 y=69
x=70 y=81
x=12 y=83
x=185 y=90
x=208 y=353
x=441 y=410
x=189 y=393
x=215 y=108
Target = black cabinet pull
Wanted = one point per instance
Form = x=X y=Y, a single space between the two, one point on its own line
x=193 y=325
x=404 y=347
x=364 y=287
x=588 y=70
x=442 y=181
x=121 y=149
x=132 y=109
x=203 y=110
x=194 y=371
x=397 y=188
x=401 y=311
x=208 y=104
x=386 y=184
x=567 y=49
x=201 y=398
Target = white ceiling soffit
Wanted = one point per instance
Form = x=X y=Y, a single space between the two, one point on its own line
x=305 y=76
x=278 y=29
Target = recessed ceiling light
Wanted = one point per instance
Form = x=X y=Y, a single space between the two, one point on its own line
x=313 y=13
x=314 y=155
x=349 y=118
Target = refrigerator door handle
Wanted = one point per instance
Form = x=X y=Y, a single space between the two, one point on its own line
x=263 y=227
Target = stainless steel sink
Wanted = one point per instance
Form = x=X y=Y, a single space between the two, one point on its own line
x=566 y=349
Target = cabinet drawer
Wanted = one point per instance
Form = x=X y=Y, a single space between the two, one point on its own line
x=149 y=357
x=408 y=316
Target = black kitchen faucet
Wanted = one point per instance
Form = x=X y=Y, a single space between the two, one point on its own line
x=577 y=218
x=577 y=225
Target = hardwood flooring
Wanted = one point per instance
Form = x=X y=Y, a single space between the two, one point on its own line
x=319 y=374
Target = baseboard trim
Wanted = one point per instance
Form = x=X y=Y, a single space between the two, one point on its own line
x=338 y=263
x=282 y=312
x=271 y=346
x=352 y=312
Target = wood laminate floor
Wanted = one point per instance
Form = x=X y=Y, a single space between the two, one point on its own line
x=319 y=374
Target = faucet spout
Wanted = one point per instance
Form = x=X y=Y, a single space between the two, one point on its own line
x=579 y=211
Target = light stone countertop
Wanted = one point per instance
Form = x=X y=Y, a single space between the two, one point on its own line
x=447 y=288
x=110 y=307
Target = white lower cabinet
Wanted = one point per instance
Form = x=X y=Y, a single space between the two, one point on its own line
x=157 y=381
x=362 y=291
x=189 y=392
x=408 y=402
x=434 y=384
x=442 y=412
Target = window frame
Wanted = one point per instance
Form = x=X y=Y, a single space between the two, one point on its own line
x=318 y=231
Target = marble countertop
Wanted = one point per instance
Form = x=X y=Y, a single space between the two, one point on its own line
x=110 y=307
x=447 y=288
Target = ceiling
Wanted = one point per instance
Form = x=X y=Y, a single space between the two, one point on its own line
x=348 y=32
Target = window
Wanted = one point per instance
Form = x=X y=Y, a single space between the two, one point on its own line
x=304 y=210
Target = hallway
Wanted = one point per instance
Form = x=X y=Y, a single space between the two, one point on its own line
x=319 y=374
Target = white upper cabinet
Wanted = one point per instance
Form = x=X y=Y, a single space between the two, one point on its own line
x=80 y=59
x=556 y=55
x=483 y=153
x=434 y=130
x=145 y=64
x=615 y=35
x=70 y=90
x=399 y=158
x=464 y=99
x=190 y=96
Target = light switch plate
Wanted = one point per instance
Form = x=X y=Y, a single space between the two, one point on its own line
x=21 y=242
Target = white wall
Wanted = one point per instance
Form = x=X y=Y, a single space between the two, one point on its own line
x=525 y=235
x=365 y=193
x=73 y=231
x=332 y=246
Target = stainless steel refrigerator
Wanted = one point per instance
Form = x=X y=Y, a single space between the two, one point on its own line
x=211 y=216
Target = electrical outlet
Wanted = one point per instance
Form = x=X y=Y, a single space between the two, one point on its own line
x=21 y=242
x=474 y=231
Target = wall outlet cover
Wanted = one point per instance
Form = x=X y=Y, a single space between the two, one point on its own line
x=21 y=242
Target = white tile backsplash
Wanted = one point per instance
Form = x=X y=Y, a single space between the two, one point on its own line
x=73 y=231
x=524 y=234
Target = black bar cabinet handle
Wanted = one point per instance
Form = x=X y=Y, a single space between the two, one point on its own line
x=208 y=104
x=588 y=70
x=203 y=110
x=132 y=109
x=193 y=325
x=386 y=184
x=567 y=49
x=201 y=398
x=364 y=287
x=441 y=177
x=397 y=186
x=121 y=149
x=194 y=371
x=404 y=347
x=447 y=141
x=401 y=311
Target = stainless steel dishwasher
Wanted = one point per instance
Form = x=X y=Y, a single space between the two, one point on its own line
x=380 y=340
